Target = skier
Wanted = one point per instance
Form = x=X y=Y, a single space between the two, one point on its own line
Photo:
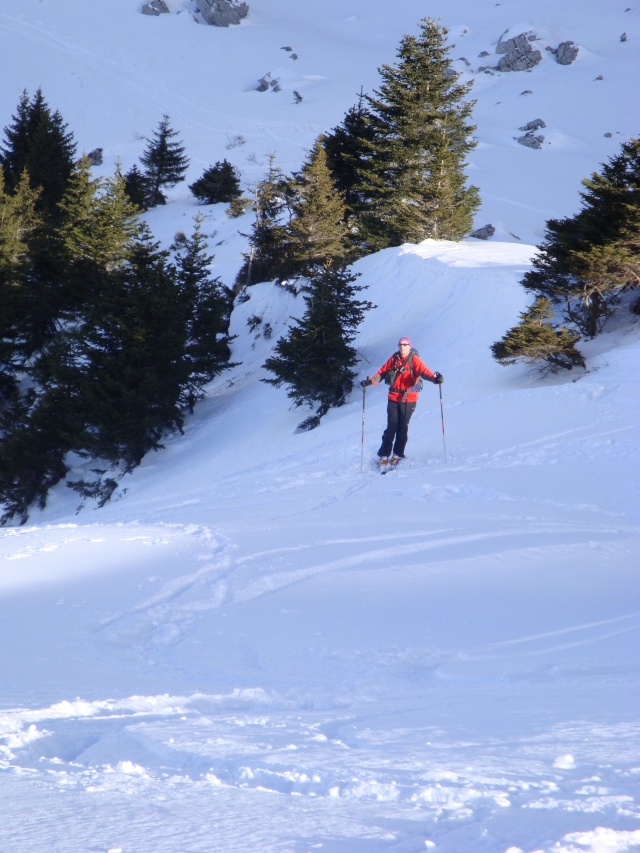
x=403 y=372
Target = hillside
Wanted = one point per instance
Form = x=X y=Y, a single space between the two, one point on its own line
x=262 y=645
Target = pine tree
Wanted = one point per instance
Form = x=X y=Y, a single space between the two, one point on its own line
x=127 y=356
x=536 y=340
x=99 y=221
x=413 y=177
x=317 y=233
x=219 y=183
x=13 y=154
x=588 y=260
x=316 y=358
x=18 y=221
x=164 y=161
x=31 y=453
x=347 y=147
x=208 y=310
x=268 y=253
x=135 y=186
x=39 y=142
x=98 y=225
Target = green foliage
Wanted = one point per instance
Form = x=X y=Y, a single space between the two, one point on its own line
x=127 y=359
x=317 y=230
x=412 y=179
x=316 y=358
x=347 y=148
x=32 y=453
x=104 y=343
x=208 y=303
x=38 y=142
x=18 y=221
x=588 y=260
x=535 y=340
x=219 y=183
x=164 y=161
x=267 y=257
x=238 y=206
x=136 y=188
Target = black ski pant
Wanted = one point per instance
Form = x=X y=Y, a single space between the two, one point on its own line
x=394 y=438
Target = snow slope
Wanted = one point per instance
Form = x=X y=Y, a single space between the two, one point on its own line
x=263 y=645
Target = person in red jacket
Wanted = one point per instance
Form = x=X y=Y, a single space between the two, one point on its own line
x=403 y=372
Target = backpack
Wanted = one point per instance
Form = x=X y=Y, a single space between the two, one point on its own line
x=390 y=375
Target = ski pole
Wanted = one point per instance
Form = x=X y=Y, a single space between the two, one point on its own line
x=364 y=392
x=444 y=445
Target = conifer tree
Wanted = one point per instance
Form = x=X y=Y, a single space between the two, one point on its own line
x=164 y=161
x=127 y=355
x=315 y=359
x=18 y=221
x=268 y=253
x=32 y=453
x=536 y=340
x=13 y=154
x=135 y=186
x=588 y=260
x=219 y=183
x=317 y=233
x=99 y=221
x=413 y=176
x=39 y=142
x=208 y=311
x=347 y=147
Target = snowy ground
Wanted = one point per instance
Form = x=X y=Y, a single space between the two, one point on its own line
x=263 y=645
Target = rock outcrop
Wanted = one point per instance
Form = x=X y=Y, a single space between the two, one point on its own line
x=519 y=55
x=530 y=140
x=222 y=13
x=536 y=124
x=565 y=53
x=155 y=7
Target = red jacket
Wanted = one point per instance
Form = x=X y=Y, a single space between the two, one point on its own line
x=404 y=388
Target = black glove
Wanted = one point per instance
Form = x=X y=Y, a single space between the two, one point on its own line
x=366 y=382
x=438 y=378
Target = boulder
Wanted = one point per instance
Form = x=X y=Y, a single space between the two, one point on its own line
x=533 y=125
x=519 y=55
x=155 y=7
x=222 y=13
x=95 y=157
x=567 y=52
x=483 y=233
x=531 y=141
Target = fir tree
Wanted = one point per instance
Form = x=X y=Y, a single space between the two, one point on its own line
x=97 y=229
x=588 y=260
x=208 y=311
x=164 y=161
x=32 y=453
x=219 y=183
x=39 y=142
x=18 y=221
x=268 y=253
x=316 y=358
x=536 y=340
x=317 y=230
x=127 y=355
x=347 y=147
x=136 y=188
x=413 y=177
x=99 y=221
